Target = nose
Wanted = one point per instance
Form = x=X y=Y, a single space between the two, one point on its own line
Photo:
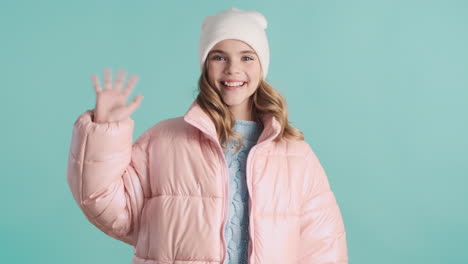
x=232 y=67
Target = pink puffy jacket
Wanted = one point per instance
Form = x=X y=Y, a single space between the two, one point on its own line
x=166 y=193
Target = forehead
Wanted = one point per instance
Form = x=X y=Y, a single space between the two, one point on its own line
x=232 y=46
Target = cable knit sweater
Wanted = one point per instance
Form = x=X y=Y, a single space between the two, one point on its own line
x=237 y=225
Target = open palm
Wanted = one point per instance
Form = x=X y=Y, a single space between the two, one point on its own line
x=111 y=101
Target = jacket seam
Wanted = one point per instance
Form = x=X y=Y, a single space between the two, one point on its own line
x=83 y=155
x=84 y=160
x=178 y=195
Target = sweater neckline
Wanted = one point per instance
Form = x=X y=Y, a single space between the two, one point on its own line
x=250 y=130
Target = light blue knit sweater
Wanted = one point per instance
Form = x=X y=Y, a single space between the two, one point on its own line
x=237 y=226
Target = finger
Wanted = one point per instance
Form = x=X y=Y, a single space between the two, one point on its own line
x=107 y=79
x=134 y=104
x=119 y=80
x=96 y=85
x=130 y=84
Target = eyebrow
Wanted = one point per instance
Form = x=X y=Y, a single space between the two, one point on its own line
x=242 y=52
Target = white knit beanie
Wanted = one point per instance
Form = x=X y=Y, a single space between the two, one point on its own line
x=233 y=23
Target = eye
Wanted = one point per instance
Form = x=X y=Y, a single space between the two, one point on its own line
x=249 y=58
x=216 y=56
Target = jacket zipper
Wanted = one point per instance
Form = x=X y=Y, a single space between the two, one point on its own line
x=249 y=188
x=225 y=208
x=226 y=183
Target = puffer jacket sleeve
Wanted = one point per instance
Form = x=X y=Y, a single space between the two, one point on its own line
x=323 y=236
x=107 y=175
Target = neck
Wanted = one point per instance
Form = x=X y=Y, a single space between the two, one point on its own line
x=242 y=112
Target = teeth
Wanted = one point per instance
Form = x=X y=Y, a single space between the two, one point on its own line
x=233 y=83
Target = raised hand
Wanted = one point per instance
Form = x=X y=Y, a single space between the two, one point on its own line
x=111 y=102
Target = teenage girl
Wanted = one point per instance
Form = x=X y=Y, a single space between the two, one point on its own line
x=230 y=181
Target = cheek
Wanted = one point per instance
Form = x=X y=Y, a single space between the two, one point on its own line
x=214 y=70
x=212 y=73
x=254 y=69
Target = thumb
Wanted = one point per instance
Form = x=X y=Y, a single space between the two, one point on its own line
x=134 y=104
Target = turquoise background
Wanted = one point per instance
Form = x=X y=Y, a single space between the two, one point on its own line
x=379 y=88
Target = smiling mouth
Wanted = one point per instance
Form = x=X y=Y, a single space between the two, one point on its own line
x=233 y=87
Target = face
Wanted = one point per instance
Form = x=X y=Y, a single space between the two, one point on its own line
x=235 y=62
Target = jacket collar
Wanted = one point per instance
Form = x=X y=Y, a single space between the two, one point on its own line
x=199 y=119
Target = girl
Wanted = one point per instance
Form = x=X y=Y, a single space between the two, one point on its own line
x=229 y=182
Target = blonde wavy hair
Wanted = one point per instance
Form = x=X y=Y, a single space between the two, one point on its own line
x=265 y=100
